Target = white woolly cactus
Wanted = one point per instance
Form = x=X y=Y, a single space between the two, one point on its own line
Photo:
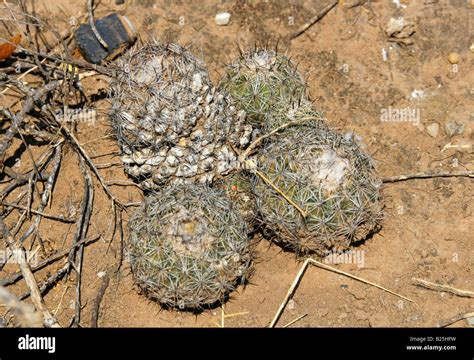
x=171 y=124
x=330 y=180
x=188 y=247
x=266 y=85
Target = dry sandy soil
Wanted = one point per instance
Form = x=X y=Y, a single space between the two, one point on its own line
x=428 y=228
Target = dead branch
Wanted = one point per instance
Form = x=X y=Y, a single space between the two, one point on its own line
x=22 y=179
x=49 y=282
x=77 y=146
x=319 y=264
x=32 y=96
x=71 y=61
x=46 y=193
x=455 y=319
x=314 y=19
x=98 y=300
x=90 y=12
x=249 y=149
x=18 y=275
x=25 y=314
x=83 y=225
x=427 y=175
x=445 y=288
x=60 y=218
x=48 y=318
x=295 y=320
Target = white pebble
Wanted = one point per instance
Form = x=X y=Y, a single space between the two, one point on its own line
x=222 y=18
x=417 y=94
x=384 y=54
x=433 y=129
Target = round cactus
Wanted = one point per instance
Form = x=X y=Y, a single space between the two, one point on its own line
x=266 y=85
x=171 y=124
x=238 y=187
x=328 y=177
x=188 y=247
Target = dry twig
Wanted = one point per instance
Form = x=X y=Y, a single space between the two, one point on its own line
x=286 y=197
x=25 y=314
x=90 y=4
x=83 y=225
x=42 y=264
x=28 y=105
x=300 y=274
x=456 y=318
x=445 y=288
x=60 y=218
x=427 y=175
x=295 y=320
x=30 y=280
x=46 y=193
x=314 y=19
x=98 y=300
x=49 y=282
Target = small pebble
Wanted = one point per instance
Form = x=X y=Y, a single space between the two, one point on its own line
x=342 y=316
x=419 y=126
x=222 y=18
x=357 y=293
x=360 y=315
x=323 y=312
x=379 y=320
x=453 y=128
x=471 y=48
x=413 y=318
x=454 y=58
x=417 y=94
x=291 y=304
x=433 y=129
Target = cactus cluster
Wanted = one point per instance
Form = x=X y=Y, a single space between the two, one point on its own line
x=180 y=139
x=185 y=141
x=326 y=175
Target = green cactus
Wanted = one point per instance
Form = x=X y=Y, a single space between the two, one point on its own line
x=188 y=247
x=330 y=179
x=266 y=85
x=238 y=187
